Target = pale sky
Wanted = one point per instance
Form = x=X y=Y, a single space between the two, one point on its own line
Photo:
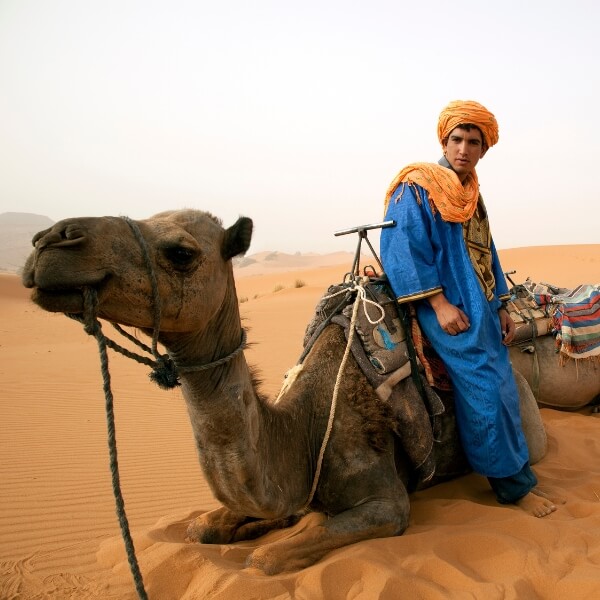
x=297 y=114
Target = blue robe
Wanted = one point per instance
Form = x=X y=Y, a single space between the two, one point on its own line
x=423 y=255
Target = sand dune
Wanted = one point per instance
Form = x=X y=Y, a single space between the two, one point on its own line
x=59 y=536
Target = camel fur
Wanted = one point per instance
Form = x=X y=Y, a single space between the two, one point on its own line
x=558 y=382
x=258 y=456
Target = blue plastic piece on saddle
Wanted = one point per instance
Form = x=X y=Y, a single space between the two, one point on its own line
x=387 y=340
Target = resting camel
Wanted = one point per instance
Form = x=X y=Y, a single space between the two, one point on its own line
x=561 y=384
x=259 y=457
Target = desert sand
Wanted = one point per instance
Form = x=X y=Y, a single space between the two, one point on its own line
x=60 y=539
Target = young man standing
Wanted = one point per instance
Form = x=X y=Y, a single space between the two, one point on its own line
x=441 y=257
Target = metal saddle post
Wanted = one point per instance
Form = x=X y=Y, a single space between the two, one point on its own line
x=363 y=236
x=383 y=280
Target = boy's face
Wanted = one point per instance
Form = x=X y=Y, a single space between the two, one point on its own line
x=463 y=149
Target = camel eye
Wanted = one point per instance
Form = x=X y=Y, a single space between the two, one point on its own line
x=179 y=256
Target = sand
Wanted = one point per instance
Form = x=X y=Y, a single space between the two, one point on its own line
x=59 y=536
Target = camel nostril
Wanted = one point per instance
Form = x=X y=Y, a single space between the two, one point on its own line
x=70 y=234
x=39 y=235
x=49 y=239
x=73 y=232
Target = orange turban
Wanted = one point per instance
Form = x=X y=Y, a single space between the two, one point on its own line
x=460 y=112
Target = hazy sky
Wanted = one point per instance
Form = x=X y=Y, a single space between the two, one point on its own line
x=296 y=113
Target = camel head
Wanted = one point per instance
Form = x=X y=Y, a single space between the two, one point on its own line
x=188 y=252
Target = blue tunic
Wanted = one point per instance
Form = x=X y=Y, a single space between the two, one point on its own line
x=424 y=254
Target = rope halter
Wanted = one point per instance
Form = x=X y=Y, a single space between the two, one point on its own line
x=165 y=372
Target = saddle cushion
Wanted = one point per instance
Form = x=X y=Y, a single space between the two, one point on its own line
x=572 y=316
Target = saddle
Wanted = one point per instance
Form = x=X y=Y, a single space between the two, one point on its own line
x=381 y=349
x=531 y=319
x=378 y=324
x=571 y=316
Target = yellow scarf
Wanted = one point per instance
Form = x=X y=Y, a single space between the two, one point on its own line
x=455 y=201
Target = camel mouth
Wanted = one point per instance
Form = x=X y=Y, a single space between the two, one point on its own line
x=67 y=301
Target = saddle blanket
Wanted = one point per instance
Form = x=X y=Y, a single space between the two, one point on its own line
x=575 y=319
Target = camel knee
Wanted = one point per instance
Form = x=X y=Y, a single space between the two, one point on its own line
x=391 y=512
x=400 y=519
x=270 y=561
x=205 y=533
x=214 y=527
x=368 y=521
x=259 y=527
x=393 y=520
x=298 y=552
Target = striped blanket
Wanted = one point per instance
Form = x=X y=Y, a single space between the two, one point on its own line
x=576 y=318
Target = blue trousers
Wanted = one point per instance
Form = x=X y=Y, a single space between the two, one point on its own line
x=509 y=490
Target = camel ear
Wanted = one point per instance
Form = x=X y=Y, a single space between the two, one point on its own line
x=237 y=238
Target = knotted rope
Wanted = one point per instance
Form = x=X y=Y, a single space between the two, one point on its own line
x=92 y=327
x=361 y=297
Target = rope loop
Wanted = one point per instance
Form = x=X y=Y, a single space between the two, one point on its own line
x=360 y=297
x=357 y=286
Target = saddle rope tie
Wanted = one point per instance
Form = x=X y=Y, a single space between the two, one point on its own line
x=358 y=287
x=361 y=297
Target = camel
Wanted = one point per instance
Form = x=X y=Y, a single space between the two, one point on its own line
x=556 y=383
x=259 y=457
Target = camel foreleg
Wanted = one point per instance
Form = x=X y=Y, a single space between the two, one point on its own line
x=373 y=519
x=222 y=526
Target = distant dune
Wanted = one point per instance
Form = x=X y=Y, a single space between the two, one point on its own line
x=541 y=263
x=273 y=262
x=17 y=230
x=560 y=265
x=566 y=266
